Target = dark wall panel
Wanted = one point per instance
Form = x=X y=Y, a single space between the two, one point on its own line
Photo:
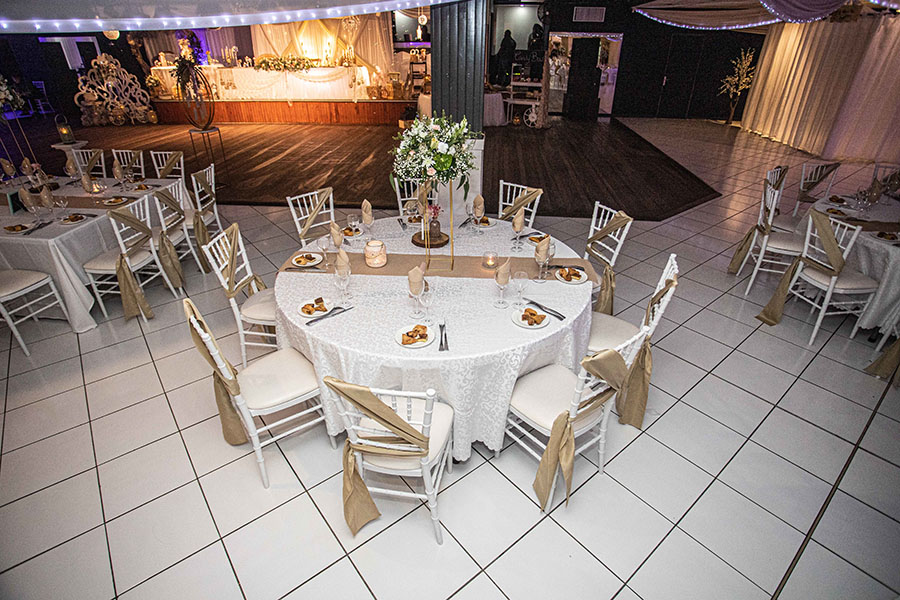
x=458 y=53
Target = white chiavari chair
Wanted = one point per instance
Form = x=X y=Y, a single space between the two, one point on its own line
x=203 y=200
x=822 y=291
x=421 y=410
x=777 y=178
x=610 y=246
x=258 y=310
x=608 y=331
x=41 y=101
x=16 y=283
x=771 y=251
x=539 y=397
x=273 y=383
x=160 y=158
x=406 y=189
x=812 y=177
x=83 y=158
x=143 y=262
x=882 y=171
x=175 y=226
x=125 y=156
x=302 y=206
x=508 y=194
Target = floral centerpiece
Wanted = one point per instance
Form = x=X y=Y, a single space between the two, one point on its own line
x=283 y=63
x=9 y=95
x=435 y=151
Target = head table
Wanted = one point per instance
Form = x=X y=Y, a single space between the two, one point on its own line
x=488 y=352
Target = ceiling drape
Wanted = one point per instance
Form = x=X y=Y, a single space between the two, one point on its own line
x=703 y=14
x=829 y=88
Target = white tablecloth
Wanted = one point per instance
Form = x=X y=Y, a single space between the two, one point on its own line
x=876 y=258
x=488 y=352
x=494 y=112
x=324 y=83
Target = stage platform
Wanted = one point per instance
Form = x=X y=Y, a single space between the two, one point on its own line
x=323 y=112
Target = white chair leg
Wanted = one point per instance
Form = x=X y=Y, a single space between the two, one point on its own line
x=190 y=245
x=62 y=305
x=333 y=440
x=757 y=265
x=15 y=331
x=450 y=456
x=243 y=344
x=856 y=326
x=260 y=460
x=166 y=277
x=821 y=316
x=747 y=256
x=432 y=504
x=97 y=295
x=552 y=492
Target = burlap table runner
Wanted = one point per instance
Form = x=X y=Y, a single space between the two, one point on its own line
x=464 y=266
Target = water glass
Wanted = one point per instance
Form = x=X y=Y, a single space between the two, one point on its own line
x=500 y=302
x=542 y=273
x=323 y=243
x=342 y=282
x=520 y=281
x=61 y=202
x=417 y=312
x=427 y=300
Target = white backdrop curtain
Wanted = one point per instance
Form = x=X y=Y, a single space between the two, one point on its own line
x=371 y=41
x=829 y=88
x=160 y=41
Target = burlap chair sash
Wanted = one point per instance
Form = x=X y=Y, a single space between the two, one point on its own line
x=322 y=196
x=359 y=508
x=740 y=253
x=233 y=429
x=630 y=385
x=133 y=160
x=170 y=163
x=606 y=298
x=232 y=287
x=885 y=366
x=201 y=231
x=172 y=204
x=92 y=161
x=521 y=201
x=134 y=302
x=658 y=296
x=773 y=311
x=805 y=193
x=168 y=257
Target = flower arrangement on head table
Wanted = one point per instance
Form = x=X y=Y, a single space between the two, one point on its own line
x=436 y=149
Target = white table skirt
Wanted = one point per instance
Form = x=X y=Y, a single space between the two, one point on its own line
x=876 y=258
x=488 y=352
x=494 y=112
x=323 y=83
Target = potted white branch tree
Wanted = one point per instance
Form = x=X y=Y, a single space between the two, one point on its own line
x=738 y=81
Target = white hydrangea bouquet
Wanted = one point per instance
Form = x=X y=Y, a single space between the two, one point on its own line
x=436 y=149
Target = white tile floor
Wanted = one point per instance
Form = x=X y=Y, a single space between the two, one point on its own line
x=115 y=480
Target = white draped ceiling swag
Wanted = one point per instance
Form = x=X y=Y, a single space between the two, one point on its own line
x=71 y=16
x=830 y=89
x=740 y=14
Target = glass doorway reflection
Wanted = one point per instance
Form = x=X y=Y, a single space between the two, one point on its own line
x=583 y=72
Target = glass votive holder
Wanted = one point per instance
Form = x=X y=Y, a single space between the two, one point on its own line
x=490 y=260
x=376 y=253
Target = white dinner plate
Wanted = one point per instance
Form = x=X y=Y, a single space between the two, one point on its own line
x=358 y=233
x=516 y=316
x=117 y=201
x=68 y=221
x=398 y=337
x=574 y=281
x=491 y=223
x=28 y=227
x=528 y=237
x=317 y=258
x=329 y=306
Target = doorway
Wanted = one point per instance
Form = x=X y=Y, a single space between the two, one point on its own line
x=583 y=72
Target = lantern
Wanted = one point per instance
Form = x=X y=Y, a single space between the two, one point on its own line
x=376 y=254
x=66 y=136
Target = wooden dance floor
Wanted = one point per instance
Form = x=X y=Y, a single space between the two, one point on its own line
x=575 y=163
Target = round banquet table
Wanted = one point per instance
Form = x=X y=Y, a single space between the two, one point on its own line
x=877 y=258
x=488 y=352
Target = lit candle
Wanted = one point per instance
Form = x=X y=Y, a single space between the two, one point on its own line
x=376 y=254
x=490 y=260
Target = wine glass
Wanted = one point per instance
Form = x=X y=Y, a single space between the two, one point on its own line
x=542 y=273
x=517 y=241
x=72 y=172
x=417 y=312
x=342 y=282
x=427 y=300
x=323 y=243
x=61 y=201
x=129 y=177
x=501 y=302
x=353 y=224
x=520 y=281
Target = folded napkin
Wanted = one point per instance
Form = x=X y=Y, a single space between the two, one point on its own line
x=46 y=197
x=416 y=278
x=118 y=171
x=86 y=183
x=342 y=264
x=8 y=167
x=337 y=236
x=502 y=274
x=542 y=250
x=478 y=206
x=367 y=217
x=26 y=167
x=518 y=223
x=71 y=168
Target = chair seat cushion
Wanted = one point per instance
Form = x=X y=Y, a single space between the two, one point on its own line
x=785 y=222
x=189 y=217
x=277 y=378
x=106 y=262
x=785 y=243
x=441 y=425
x=16 y=280
x=848 y=282
x=260 y=307
x=540 y=396
x=609 y=332
x=176 y=235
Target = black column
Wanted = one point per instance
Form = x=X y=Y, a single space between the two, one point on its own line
x=457 y=59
